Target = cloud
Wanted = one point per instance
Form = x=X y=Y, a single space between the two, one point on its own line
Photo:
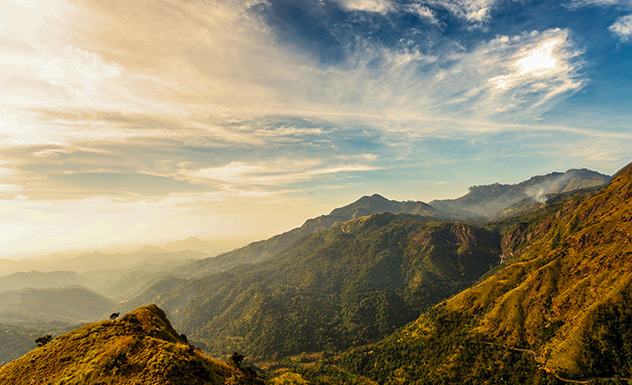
x=544 y=66
x=376 y=6
x=600 y=3
x=423 y=12
x=623 y=28
x=476 y=12
x=518 y=75
x=286 y=171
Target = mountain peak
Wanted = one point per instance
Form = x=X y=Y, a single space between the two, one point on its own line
x=154 y=323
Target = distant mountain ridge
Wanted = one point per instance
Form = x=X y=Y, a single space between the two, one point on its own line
x=482 y=203
x=488 y=201
x=70 y=305
x=38 y=280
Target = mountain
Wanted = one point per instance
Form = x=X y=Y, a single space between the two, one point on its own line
x=489 y=201
x=124 y=261
x=118 y=276
x=37 y=306
x=191 y=243
x=38 y=280
x=9 y=266
x=346 y=286
x=481 y=204
x=264 y=250
x=558 y=309
x=140 y=348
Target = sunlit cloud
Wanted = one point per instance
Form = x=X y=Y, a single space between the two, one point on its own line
x=240 y=173
x=545 y=65
x=377 y=6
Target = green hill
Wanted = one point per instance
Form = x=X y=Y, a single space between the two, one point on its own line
x=558 y=308
x=139 y=348
x=349 y=285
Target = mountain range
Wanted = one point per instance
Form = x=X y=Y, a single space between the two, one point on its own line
x=480 y=204
x=523 y=283
x=340 y=281
x=557 y=309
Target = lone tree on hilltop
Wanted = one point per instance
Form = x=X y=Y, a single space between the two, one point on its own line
x=237 y=358
x=41 y=341
x=114 y=316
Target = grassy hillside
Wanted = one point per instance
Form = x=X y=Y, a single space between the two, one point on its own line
x=346 y=286
x=139 y=348
x=563 y=296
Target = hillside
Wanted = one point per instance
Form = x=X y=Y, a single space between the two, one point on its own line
x=560 y=304
x=346 y=286
x=32 y=307
x=140 y=348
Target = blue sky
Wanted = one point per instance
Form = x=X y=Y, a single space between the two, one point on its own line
x=137 y=122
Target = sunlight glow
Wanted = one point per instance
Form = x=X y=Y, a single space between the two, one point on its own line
x=541 y=61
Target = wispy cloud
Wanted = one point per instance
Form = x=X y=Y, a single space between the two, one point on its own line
x=474 y=11
x=600 y=3
x=286 y=172
x=377 y=6
x=423 y=12
x=623 y=28
x=544 y=66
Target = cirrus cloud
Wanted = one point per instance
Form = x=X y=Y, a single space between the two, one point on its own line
x=623 y=28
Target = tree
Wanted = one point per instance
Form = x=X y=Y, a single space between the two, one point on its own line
x=41 y=341
x=114 y=316
x=237 y=358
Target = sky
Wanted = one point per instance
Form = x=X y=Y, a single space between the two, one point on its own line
x=132 y=122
